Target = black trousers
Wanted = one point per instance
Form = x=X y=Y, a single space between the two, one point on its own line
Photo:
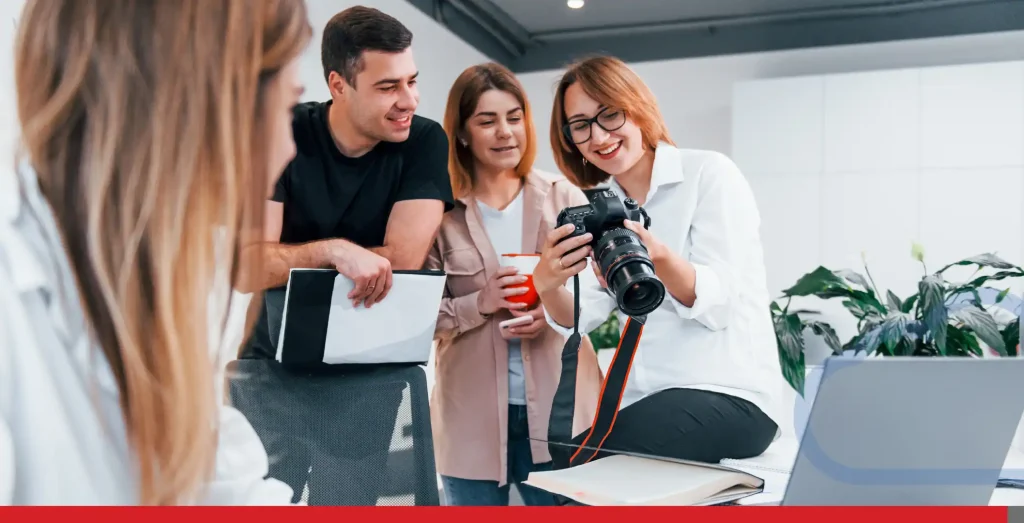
x=689 y=424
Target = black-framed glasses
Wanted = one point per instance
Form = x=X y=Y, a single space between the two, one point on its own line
x=579 y=130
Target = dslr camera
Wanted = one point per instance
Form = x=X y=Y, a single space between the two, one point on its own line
x=620 y=255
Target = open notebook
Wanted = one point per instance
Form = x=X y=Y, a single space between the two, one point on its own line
x=632 y=479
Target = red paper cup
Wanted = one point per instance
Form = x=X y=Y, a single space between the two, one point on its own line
x=525 y=263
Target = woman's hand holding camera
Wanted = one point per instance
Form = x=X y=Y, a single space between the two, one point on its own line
x=655 y=249
x=492 y=297
x=560 y=259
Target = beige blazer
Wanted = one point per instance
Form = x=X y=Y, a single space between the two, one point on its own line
x=469 y=403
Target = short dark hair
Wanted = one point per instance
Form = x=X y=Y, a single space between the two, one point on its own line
x=355 y=30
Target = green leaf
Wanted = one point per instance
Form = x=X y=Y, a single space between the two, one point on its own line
x=774 y=307
x=867 y=341
x=908 y=305
x=829 y=334
x=816 y=282
x=982 y=280
x=789 y=335
x=893 y=330
x=857 y=309
x=893 y=301
x=983 y=325
x=789 y=331
x=868 y=298
x=854 y=277
x=1002 y=295
x=961 y=343
x=977 y=298
x=983 y=260
x=933 y=309
x=1011 y=338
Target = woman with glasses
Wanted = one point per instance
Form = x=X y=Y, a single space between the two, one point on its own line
x=494 y=384
x=705 y=380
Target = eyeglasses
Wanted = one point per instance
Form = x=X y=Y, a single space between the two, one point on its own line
x=579 y=130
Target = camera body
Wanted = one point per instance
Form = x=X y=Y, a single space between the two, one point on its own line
x=620 y=255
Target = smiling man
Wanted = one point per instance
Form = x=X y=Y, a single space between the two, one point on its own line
x=365 y=195
x=369 y=184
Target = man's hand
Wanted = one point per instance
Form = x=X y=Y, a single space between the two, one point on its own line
x=370 y=272
x=530 y=330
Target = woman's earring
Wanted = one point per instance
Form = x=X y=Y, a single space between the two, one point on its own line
x=463 y=142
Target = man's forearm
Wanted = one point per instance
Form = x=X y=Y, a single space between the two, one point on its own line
x=279 y=259
x=408 y=259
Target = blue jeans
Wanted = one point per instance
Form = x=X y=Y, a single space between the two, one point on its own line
x=472 y=492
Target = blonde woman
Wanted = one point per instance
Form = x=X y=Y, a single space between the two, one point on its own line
x=153 y=132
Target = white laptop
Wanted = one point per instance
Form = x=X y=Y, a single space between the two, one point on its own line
x=908 y=431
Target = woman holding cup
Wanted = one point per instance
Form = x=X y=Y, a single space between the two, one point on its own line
x=497 y=361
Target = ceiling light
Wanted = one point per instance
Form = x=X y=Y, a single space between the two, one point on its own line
x=575 y=4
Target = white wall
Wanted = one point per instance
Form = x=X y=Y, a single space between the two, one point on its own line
x=872 y=162
x=902 y=151
x=440 y=55
x=695 y=95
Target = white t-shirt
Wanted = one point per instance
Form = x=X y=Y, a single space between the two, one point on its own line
x=505 y=230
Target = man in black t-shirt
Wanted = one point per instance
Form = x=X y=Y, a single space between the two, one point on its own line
x=365 y=195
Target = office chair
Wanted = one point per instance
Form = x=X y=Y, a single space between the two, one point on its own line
x=342 y=436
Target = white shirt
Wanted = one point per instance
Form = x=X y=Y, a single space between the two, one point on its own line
x=702 y=208
x=62 y=437
x=505 y=230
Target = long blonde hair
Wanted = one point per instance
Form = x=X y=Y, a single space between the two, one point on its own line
x=143 y=121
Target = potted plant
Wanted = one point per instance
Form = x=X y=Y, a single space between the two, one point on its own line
x=944 y=318
x=606 y=335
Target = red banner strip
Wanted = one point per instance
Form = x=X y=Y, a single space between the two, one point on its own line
x=511 y=514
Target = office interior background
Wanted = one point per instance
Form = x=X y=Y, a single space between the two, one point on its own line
x=864 y=126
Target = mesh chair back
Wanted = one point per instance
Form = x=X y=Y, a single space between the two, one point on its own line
x=342 y=435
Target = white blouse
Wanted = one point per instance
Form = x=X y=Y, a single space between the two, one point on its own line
x=62 y=437
x=702 y=208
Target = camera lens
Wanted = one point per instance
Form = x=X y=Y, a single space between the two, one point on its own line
x=629 y=272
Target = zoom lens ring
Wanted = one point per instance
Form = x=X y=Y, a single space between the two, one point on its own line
x=619 y=247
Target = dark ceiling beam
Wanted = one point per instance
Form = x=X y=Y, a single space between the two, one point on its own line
x=480 y=24
x=911 y=20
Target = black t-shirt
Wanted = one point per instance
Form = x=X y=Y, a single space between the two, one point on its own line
x=329 y=195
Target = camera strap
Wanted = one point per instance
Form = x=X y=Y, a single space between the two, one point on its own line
x=563 y=453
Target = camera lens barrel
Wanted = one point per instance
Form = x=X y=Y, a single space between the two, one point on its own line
x=629 y=272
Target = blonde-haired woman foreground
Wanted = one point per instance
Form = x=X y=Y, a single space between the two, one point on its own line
x=153 y=133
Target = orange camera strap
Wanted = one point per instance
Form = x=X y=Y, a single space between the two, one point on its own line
x=563 y=452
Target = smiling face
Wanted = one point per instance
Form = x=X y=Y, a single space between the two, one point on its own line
x=381 y=103
x=496 y=132
x=605 y=136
